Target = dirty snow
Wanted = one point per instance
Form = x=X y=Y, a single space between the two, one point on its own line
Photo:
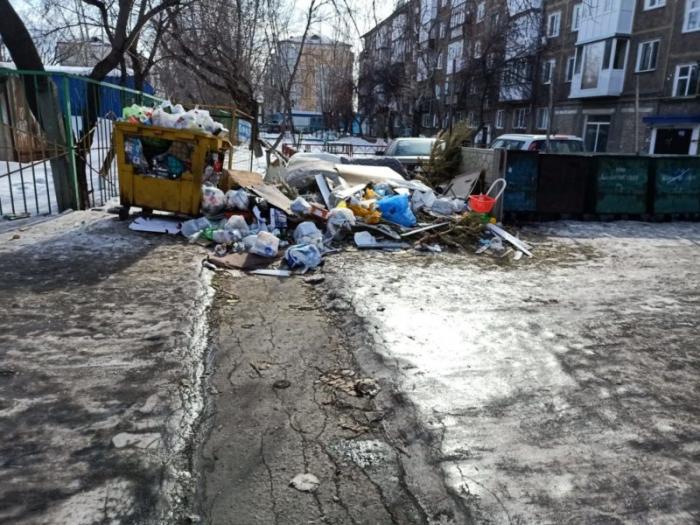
x=561 y=387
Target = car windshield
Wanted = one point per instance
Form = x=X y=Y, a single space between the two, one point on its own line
x=559 y=146
x=507 y=144
x=413 y=148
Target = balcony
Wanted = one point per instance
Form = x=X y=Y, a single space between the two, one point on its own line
x=599 y=70
x=605 y=19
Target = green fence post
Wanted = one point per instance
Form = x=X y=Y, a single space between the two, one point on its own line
x=70 y=145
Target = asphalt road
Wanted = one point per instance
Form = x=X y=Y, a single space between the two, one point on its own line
x=560 y=389
x=102 y=343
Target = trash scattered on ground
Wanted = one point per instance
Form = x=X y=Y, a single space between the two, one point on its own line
x=319 y=206
x=345 y=381
x=314 y=279
x=272 y=273
x=366 y=453
x=281 y=384
x=367 y=387
x=305 y=482
x=156 y=225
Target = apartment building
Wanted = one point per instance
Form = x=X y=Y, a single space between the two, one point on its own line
x=622 y=74
x=322 y=84
x=387 y=93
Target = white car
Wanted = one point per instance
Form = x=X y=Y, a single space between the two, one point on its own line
x=410 y=151
x=557 y=143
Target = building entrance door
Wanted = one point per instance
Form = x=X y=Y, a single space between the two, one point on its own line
x=670 y=141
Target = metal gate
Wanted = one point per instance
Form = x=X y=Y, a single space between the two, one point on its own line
x=31 y=153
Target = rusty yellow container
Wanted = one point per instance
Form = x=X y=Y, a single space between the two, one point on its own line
x=180 y=195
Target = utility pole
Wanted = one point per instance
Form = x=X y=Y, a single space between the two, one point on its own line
x=636 y=114
x=550 y=108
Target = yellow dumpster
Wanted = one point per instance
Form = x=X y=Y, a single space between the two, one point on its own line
x=162 y=168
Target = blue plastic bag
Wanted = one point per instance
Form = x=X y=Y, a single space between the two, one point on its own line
x=304 y=256
x=397 y=209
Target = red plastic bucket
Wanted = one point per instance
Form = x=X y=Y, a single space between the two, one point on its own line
x=484 y=203
x=481 y=203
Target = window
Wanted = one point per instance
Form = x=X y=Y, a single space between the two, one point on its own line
x=471 y=120
x=500 y=118
x=457 y=16
x=426 y=120
x=592 y=64
x=596 y=133
x=480 y=11
x=647 y=53
x=542 y=118
x=685 y=83
x=576 y=17
x=569 y=74
x=653 y=4
x=454 y=57
x=473 y=88
x=477 y=49
x=443 y=29
x=692 y=16
x=520 y=118
x=553 y=23
x=548 y=71
x=440 y=60
x=495 y=18
x=620 y=54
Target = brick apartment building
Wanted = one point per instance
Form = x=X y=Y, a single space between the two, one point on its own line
x=622 y=74
x=322 y=84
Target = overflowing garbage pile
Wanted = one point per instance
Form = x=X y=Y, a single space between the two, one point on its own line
x=175 y=116
x=317 y=207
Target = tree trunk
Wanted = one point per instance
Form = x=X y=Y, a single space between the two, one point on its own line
x=42 y=99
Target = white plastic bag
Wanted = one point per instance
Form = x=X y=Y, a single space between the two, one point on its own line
x=237 y=199
x=213 y=200
x=422 y=199
x=265 y=245
x=237 y=223
x=339 y=220
x=300 y=206
x=304 y=256
x=446 y=206
x=194 y=226
x=308 y=233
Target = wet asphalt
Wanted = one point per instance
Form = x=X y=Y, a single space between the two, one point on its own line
x=562 y=388
x=134 y=388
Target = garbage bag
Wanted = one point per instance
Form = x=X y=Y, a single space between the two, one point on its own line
x=446 y=206
x=396 y=209
x=266 y=245
x=300 y=206
x=237 y=223
x=339 y=220
x=226 y=236
x=304 y=256
x=249 y=242
x=308 y=233
x=194 y=226
x=422 y=199
x=213 y=200
x=237 y=199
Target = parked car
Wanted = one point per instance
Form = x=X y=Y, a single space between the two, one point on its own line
x=410 y=151
x=557 y=143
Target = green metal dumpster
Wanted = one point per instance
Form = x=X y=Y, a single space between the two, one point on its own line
x=521 y=176
x=621 y=184
x=677 y=184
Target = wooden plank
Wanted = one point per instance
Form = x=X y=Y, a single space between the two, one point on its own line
x=234 y=178
x=273 y=196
